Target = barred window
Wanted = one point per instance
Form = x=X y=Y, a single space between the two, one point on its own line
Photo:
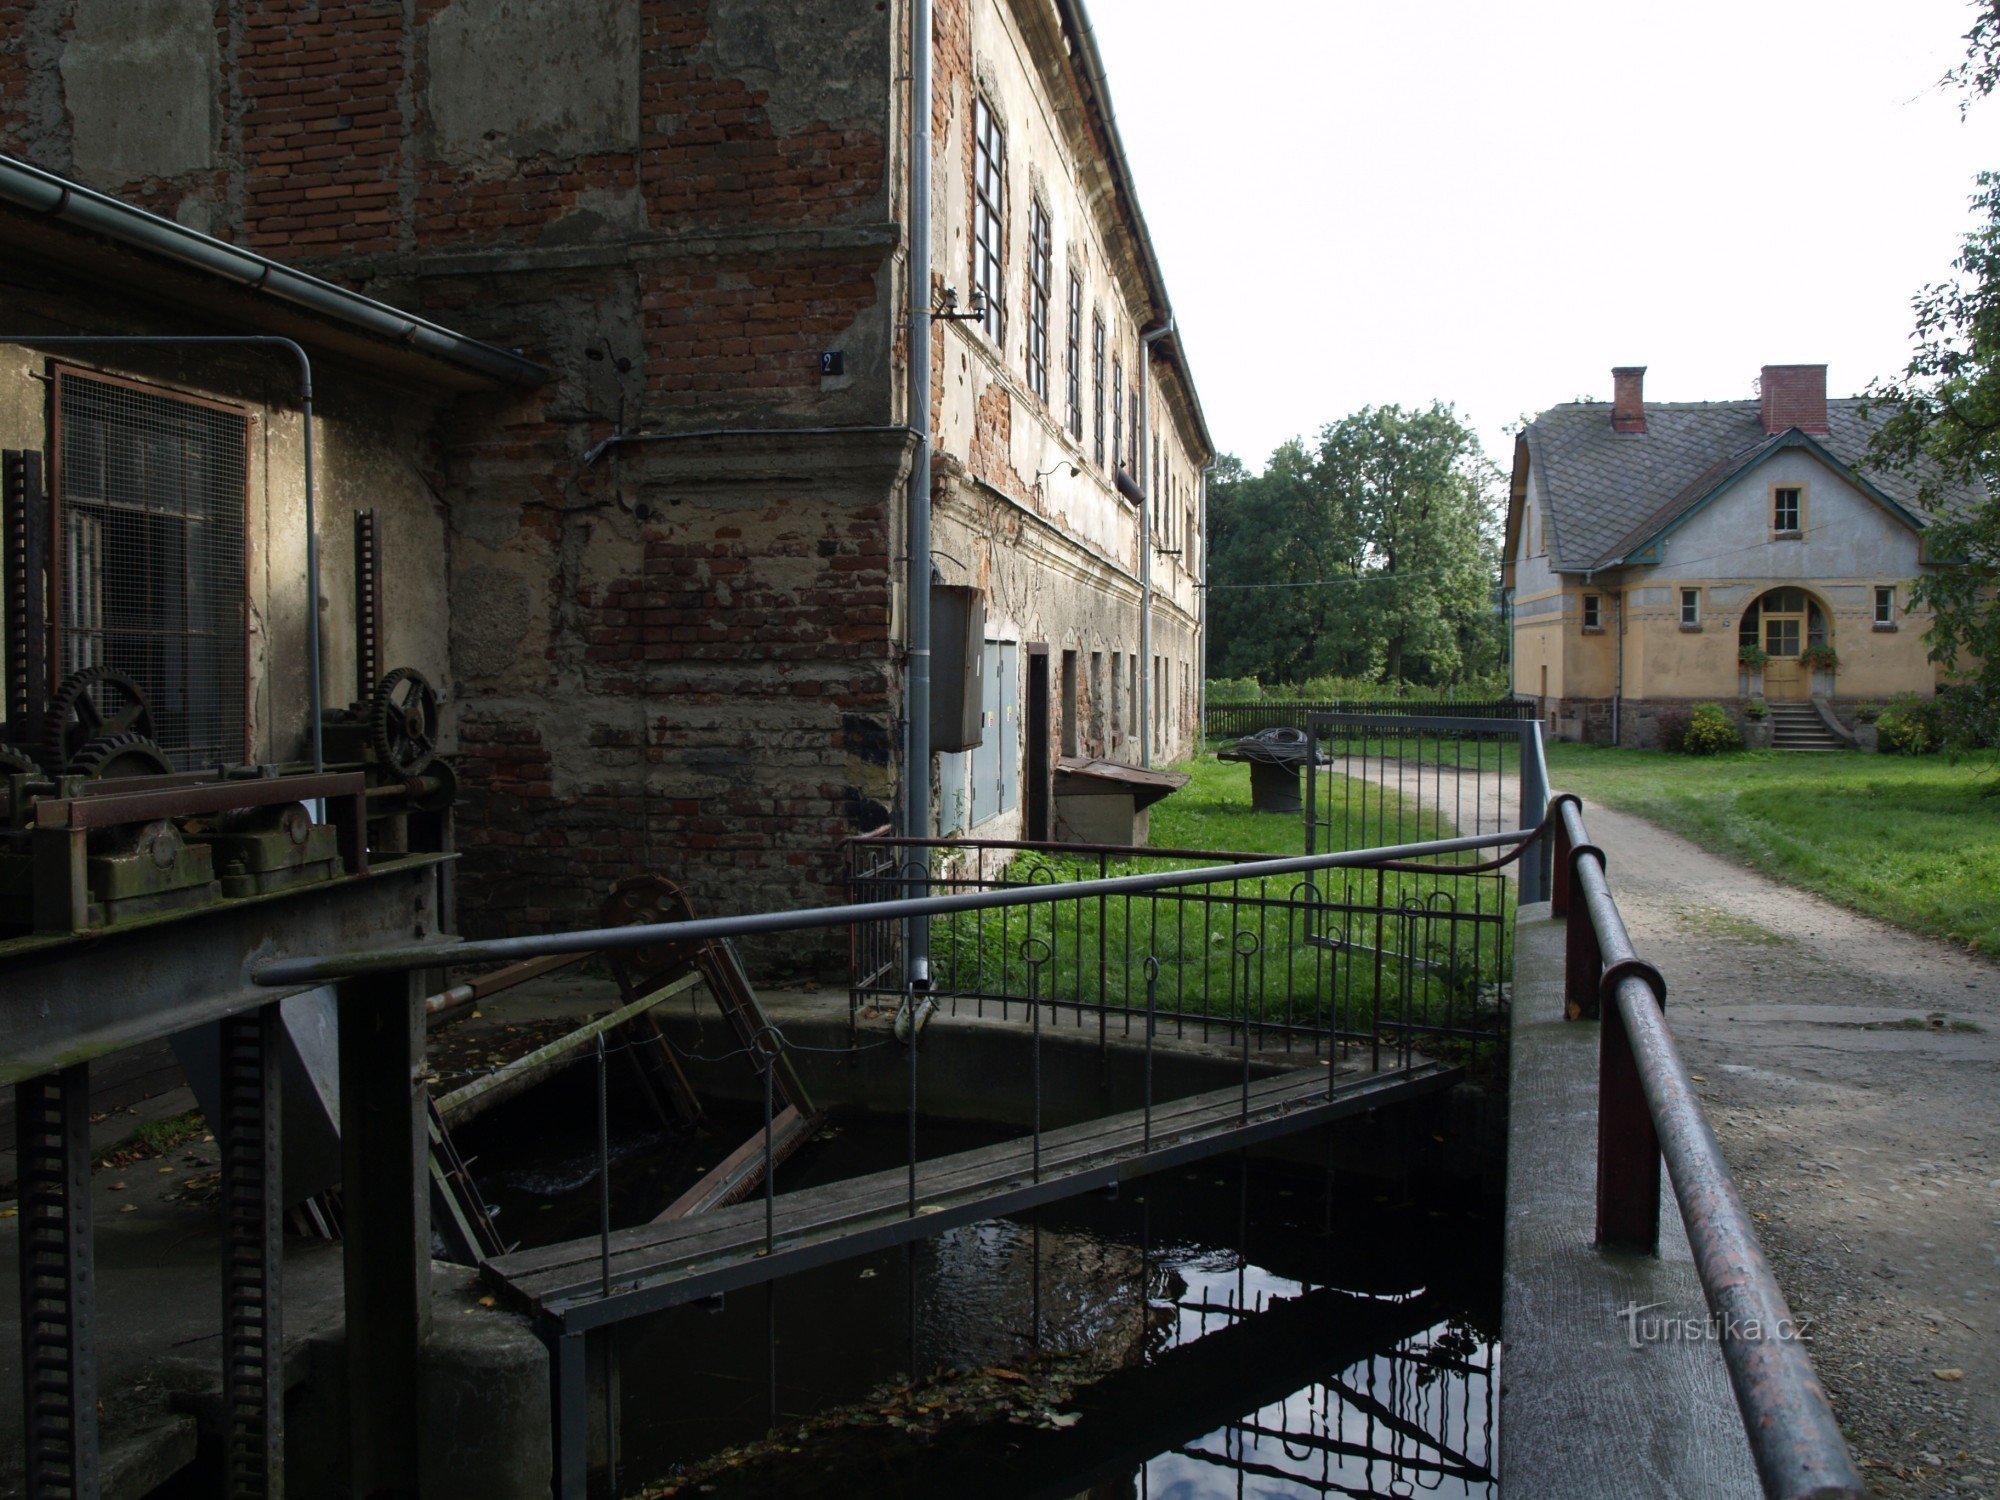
x=1073 y=338
x=1097 y=384
x=989 y=217
x=1040 y=276
x=149 y=501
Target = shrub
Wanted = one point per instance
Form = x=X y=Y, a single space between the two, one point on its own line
x=1908 y=726
x=1670 y=727
x=1710 y=731
x=1967 y=718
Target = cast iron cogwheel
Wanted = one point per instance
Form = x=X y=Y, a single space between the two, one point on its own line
x=17 y=763
x=403 y=721
x=113 y=755
x=91 y=705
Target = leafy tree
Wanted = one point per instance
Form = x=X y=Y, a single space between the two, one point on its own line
x=1369 y=553
x=1943 y=425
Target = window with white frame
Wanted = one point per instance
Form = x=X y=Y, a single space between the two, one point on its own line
x=1073 y=340
x=1885 y=605
x=1785 y=507
x=1040 y=281
x=1097 y=386
x=1593 y=612
x=989 y=217
x=1690 y=608
x=1117 y=410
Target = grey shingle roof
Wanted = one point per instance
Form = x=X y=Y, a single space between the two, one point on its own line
x=1607 y=492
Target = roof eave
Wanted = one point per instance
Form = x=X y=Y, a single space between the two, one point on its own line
x=80 y=208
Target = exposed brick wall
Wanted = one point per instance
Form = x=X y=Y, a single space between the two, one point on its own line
x=726 y=712
x=322 y=91
x=752 y=326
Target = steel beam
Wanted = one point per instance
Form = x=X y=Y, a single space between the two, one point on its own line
x=253 y=1379
x=58 y=1286
x=385 y=1196
x=69 y=999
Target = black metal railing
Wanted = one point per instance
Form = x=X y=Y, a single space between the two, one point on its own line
x=1228 y=719
x=1648 y=1111
x=1377 y=953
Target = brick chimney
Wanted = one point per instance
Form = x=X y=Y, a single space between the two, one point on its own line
x=1794 y=396
x=1628 y=398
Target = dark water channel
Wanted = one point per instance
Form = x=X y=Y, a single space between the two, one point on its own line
x=1240 y=1327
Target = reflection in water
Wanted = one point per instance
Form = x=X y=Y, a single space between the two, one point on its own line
x=1234 y=1328
x=1415 y=1418
x=1357 y=1361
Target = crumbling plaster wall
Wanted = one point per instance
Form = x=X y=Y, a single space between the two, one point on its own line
x=1058 y=552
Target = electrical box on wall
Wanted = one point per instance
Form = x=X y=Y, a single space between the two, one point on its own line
x=958 y=644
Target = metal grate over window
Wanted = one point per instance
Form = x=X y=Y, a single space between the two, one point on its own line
x=149 y=501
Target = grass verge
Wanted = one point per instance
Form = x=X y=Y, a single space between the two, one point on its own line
x=1914 y=840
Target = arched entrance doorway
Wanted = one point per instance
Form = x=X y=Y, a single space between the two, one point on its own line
x=1785 y=622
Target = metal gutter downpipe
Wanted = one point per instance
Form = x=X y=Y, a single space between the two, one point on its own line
x=313 y=690
x=917 y=660
x=1143 y=438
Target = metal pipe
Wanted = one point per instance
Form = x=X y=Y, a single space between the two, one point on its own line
x=313 y=693
x=917 y=662
x=1793 y=1435
x=603 y=446
x=323 y=967
x=1200 y=539
x=57 y=198
x=1142 y=438
x=1794 y=1438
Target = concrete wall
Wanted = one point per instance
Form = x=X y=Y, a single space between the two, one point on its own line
x=375 y=447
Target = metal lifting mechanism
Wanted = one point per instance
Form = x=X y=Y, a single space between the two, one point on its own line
x=121 y=860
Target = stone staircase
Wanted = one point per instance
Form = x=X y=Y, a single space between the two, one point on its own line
x=1798 y=726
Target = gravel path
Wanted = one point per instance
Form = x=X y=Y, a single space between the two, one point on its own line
x=1852 y=1073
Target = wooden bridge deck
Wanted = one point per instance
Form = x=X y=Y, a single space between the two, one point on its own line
x=655 y=1266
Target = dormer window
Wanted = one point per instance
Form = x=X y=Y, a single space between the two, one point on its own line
x=1786 y=509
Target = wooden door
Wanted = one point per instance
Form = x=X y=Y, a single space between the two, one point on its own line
x=1784 y=639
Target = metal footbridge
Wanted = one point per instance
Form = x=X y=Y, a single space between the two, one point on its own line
x=587 y=1283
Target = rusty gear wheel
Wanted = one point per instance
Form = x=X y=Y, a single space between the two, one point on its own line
x=17 y=763
x=403 y=721
x=92 y=704
x=644 y=900
x=113 y=755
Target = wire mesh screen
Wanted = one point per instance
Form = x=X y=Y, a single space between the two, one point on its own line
x=150 y=520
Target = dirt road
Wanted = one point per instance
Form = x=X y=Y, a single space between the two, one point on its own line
x=1852 y=1073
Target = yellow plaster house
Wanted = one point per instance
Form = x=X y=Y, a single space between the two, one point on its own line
x=1729 y=551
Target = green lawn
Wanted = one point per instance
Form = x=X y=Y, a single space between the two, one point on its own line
x=1445 y=937
x=1914 y=840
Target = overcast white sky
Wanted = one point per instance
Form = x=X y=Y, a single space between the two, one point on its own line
x=1369 y=201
